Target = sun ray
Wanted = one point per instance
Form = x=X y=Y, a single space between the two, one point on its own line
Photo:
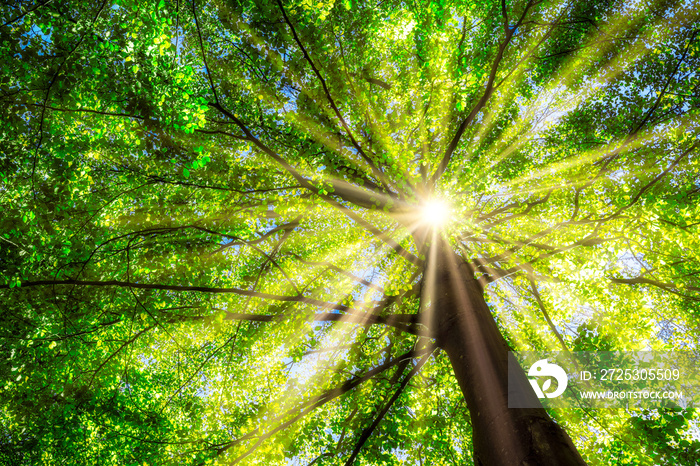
x=563 y=86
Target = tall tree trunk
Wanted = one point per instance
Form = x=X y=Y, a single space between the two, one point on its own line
x=469 y=335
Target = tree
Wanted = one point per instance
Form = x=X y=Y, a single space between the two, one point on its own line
x=216 y=243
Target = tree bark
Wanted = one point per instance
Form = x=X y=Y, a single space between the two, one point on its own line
x=468 y=333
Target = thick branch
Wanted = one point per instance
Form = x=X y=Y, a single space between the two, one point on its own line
x=482 y=102
x=185 y=288
x=375 y=170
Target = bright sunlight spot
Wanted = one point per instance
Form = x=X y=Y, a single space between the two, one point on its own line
x=435 y=212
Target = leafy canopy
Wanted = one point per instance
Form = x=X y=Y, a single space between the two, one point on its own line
x=210 y=244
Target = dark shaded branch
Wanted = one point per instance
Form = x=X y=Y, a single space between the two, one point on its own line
x=630 y=137
x=48 y=93
x=543 y=309
x=668 y=82
x=198 y=369
x=375 y=170
x=321 y=400
x=346 y=191
x=22 y=15
x=410 y=257
x=184 y=288
x=158 y=179
x=671 y=288
x=339 y=270
x=378 y=82
x=367 y=432
x=204 y=55
x=409 y=323
x=661 y=175
x=88 y=110
x=115 y=353
x=482 y=101
x=224 y=133
x=286 y=228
